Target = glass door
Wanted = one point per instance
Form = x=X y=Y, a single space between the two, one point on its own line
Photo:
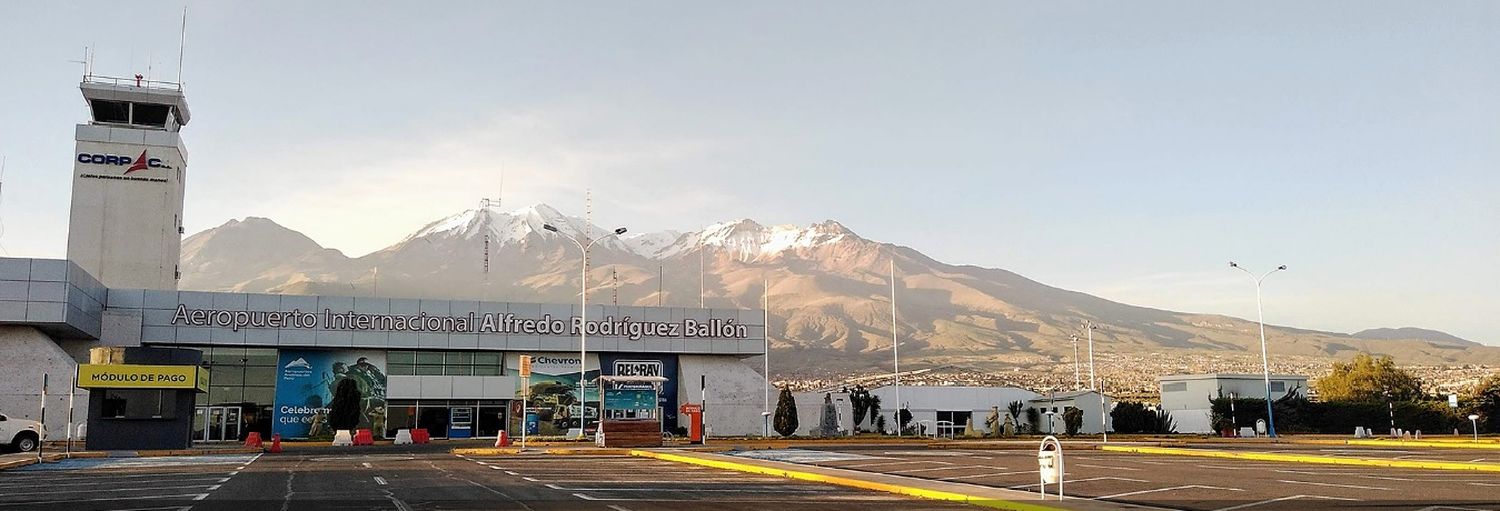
x=231 y=424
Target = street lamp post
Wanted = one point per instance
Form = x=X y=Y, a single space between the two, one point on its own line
x=1265 y=362
x=583 y=326
x=1077 y=378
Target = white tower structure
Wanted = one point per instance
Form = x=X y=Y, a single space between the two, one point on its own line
x=129 y=166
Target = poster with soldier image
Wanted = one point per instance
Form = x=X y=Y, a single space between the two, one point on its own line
x=305 y=384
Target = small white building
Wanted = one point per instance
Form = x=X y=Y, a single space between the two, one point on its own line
x=810 y=412
x=1187 y=396
x=945 y=411
x=1095 y=407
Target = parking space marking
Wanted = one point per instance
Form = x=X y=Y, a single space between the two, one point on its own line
x=1109 y=467
x=1173 y=488
x=380 y=480
x=987 y=474
x=932 y=469
x=193 y=496
x=1104 y=478
x=1283 y=499
x=887 y=463
x=1335 y=485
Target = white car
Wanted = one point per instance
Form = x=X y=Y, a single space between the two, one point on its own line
x=21 y=434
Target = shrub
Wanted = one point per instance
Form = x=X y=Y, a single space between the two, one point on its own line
x=786 y=413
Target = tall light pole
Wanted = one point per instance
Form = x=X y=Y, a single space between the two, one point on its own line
x=583 y=323
x=1077 y=379
x=765 y=310
x=1265 y=362
x=1094 y=381
x=895 y=348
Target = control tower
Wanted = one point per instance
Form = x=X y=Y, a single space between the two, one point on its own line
x=129 y=165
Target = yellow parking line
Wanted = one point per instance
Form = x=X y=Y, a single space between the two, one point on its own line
x=1301 y=458
x=844 y=481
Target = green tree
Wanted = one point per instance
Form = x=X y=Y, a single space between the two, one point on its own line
x=905 y=418
x=1015 y=408
x=785 y=421
x=1486 y=403
x=344 y=412
x=1033 y=421
x=859 y=398
x=1368 y=378
x=874 y=411
x=1072 y=420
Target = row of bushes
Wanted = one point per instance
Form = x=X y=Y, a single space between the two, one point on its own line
x=1296 y=414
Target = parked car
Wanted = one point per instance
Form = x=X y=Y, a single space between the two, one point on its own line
x=23 y=435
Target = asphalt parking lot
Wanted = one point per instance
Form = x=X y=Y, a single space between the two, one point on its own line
x=119 y=484
x=388 y=479
x=1178 y=482
x=1394 y=451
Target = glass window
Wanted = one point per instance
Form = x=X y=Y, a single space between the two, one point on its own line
x=401 y=369
x=260 y=376
x=429 y=357
x=1174 y=387
x=1278 y=386
x=400 y=357
x=226 y=356
x=150 y=115
x=458 y=370
x=487 y=370
x=226 y=375
x=487 y=359
x=219 y=395
x=138 y=404
x=260 y=395
x=260 y=357
x=110 y=111
x=460 y=357
x=429 y=370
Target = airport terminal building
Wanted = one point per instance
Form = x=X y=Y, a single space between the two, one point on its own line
x=271 y=363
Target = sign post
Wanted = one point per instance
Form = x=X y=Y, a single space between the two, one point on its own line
x=525 y=397
x=43 y=433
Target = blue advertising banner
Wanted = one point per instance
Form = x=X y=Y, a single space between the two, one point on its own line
x=633 y=364
x=305 y=382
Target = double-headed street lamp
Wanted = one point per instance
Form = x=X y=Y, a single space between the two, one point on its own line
x=1264 y=360
x=583 y=327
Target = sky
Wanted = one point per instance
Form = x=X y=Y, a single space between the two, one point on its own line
x=1124 y=149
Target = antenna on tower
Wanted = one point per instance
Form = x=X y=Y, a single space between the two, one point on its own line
x=500 y=200
x=181 y=45
x=85 y=62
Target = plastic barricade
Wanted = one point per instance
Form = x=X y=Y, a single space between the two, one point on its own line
x=252 y=440
x=403 y=437
x=342 y=438
x=364 y=437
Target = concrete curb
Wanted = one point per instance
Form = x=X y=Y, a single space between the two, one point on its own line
x=907 y=486
x=1299 y=458
x=1404 y=443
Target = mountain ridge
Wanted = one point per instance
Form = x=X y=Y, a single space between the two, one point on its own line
x=828 y=288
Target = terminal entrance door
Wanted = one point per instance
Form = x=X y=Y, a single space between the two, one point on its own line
x=217 y=424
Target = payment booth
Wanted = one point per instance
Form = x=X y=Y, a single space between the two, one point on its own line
x=141 y=398
x=629 y=414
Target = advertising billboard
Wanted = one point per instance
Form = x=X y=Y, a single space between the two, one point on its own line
x=554 y=392
x=305 y=382
x=637 y=364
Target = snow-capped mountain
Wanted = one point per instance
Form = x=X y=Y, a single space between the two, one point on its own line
x=828 y=288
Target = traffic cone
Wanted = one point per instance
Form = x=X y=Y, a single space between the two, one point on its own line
x=275 y=444
x=503 y=440
x=252 y=440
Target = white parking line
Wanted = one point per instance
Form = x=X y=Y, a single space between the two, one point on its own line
x=1109 y=468
x=888 y=463
x=915 y=470
x=194 y=496
x=380 y=480
x=987 y=474
x=209 y=487
x=1282 y=499
x=1333 y=485
x=1173 y=488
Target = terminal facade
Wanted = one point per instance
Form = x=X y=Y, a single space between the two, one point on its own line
x=273 y=361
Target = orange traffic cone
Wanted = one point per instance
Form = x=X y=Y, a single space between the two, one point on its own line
x=275 y=444
x=503 y=440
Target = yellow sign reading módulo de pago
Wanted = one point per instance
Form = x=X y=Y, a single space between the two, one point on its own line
x=127 y=376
